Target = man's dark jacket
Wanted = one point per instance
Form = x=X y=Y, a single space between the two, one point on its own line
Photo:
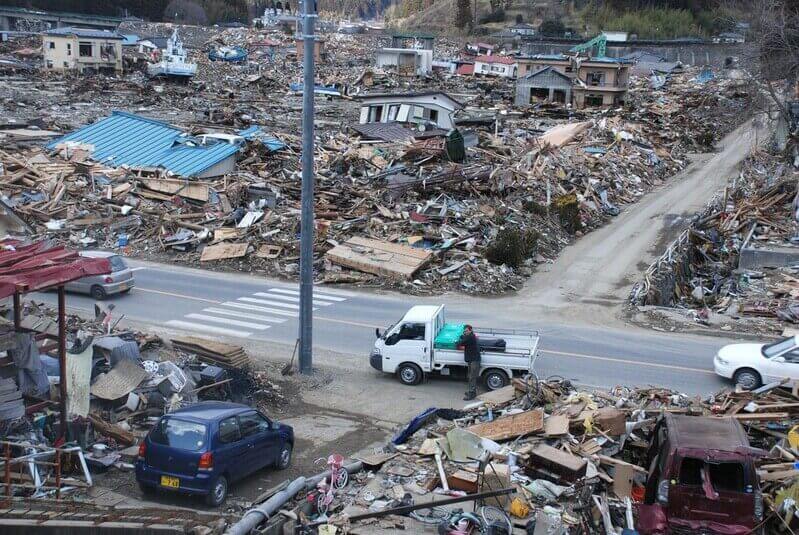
x=471 y=352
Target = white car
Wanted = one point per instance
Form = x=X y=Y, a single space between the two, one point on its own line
x=753 y=365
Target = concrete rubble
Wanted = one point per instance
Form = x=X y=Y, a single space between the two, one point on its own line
x=533 y=179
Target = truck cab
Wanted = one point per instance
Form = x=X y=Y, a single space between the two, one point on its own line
x=422 y=343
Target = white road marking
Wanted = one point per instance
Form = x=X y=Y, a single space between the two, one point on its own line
x=290 y=298
x=316 y=294
x=255 y=308
x=239 y=314
x=226 y=321
x=206 y=328
x=267 y=302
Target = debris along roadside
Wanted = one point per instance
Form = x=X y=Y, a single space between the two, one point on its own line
x=118 y=383
x=572 y=461
x=737 y=266
x=393 y=213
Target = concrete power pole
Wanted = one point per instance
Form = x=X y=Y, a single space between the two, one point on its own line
x=307 y=222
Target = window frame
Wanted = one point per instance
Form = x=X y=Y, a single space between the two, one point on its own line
x=238 y=435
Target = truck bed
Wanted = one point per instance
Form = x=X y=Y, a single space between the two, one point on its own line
x=520 y=348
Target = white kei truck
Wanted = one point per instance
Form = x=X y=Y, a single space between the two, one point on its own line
x=422 y=343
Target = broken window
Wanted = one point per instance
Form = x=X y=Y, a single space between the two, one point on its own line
x=49 y=64
x=724 y=477
x=85 y=50
x=392 y=112
x=69 y=49
x=52 y=45
x=375 y=114
x=107 y=52
x=596 y=78
x=594 y=100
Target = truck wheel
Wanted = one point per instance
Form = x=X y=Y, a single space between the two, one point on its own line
x=495 y=379
x=409 y=374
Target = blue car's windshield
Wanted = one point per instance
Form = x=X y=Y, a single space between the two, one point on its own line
x=179 y=434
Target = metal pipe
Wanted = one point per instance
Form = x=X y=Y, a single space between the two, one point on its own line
x=256 y=515
x=307 y=222
x=62 y=357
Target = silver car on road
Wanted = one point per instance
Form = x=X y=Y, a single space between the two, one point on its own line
x=120 y=280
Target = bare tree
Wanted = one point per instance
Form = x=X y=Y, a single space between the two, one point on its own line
x=775 y=31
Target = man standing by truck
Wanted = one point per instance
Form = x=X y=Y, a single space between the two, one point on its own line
x=471 y=354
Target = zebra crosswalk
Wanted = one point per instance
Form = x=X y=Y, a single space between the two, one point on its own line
x=254 y=313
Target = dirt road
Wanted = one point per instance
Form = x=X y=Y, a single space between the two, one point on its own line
x=592 y=278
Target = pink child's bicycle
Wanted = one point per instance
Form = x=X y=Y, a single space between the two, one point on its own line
x=339 y=477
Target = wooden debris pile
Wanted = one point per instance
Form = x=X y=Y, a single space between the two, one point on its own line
x=573 y=459
x=737 y=266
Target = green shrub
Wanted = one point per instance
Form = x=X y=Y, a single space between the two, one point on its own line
x=512 y=247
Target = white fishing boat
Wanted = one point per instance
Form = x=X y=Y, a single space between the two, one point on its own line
x=173 y=62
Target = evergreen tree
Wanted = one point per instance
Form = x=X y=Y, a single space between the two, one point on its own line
x=463 y=14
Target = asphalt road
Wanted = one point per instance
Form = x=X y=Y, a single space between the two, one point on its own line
x=239 y=307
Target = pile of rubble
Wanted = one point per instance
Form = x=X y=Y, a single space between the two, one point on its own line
x=118 y=383
x=403 y=213
x=548 y=458
x=737 y=266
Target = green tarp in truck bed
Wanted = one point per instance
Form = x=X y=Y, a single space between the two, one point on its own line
x=448 y=336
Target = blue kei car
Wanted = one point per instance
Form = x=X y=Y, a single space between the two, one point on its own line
x=203 y=448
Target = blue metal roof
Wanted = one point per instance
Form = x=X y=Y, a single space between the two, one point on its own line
x=128 y=139
x=270 y=142
x=87 y=33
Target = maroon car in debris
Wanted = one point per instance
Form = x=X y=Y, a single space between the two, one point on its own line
x=702 y=479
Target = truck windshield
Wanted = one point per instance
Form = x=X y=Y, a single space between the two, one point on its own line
x=772 y=350
x=722 y=477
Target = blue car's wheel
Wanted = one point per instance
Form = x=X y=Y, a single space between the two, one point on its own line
x=284 y=459
x=218 y=493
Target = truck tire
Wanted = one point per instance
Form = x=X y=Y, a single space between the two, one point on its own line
x=409 y=374
x=495 y=379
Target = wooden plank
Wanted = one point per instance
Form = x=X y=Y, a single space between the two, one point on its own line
x=623 y=481
x=379 y=258
x=197 y=191
x=566 y=465
x=556 y=425
x=499 y=396
x=516 y=425
x=768 y=416
x=223 y=251
x=778 y=476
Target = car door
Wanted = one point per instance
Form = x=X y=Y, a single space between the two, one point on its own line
x=785 y=365
x=230 y=448
x=262 y=442
x=407 y=343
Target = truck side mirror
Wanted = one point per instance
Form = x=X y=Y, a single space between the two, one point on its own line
x=377 y=332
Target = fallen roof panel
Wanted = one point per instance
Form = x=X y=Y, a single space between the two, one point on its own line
x=128 y=139
x=39 y=266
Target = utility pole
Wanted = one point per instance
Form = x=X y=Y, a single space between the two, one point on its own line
x=307 y=223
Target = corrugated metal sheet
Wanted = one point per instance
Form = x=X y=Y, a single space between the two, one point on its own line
x=128 y=139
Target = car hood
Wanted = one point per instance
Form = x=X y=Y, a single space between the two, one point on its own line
x=741 y=352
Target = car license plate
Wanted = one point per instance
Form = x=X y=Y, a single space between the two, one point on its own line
x=171 y=482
